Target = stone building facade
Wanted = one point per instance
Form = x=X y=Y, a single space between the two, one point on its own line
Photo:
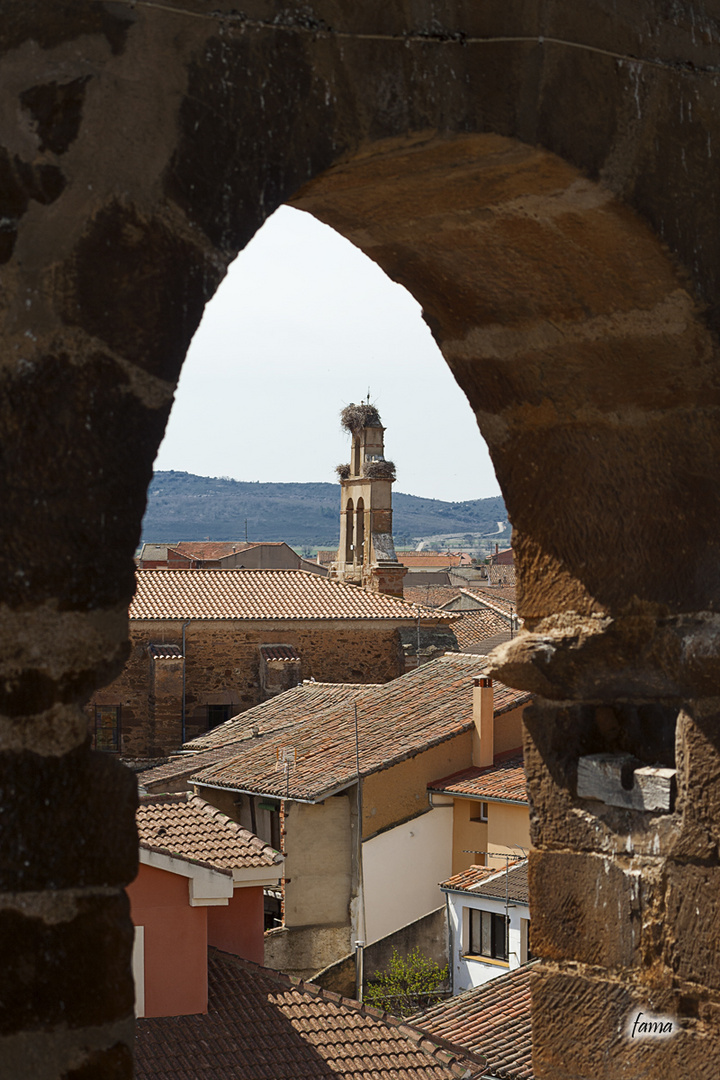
x=233 y=638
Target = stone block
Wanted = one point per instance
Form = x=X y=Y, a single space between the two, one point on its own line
x=586 y=908
x=66 y=822
x=691 y=943
x=53 y=950
x=582 y=1026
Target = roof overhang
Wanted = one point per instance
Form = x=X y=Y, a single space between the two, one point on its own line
x=207 y=886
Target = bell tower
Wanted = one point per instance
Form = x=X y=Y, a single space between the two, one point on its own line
x=366 y=555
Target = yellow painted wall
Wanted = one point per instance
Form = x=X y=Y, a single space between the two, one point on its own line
x=395 y=794
x=318 y=863
x=507 y=827
x=508 y=731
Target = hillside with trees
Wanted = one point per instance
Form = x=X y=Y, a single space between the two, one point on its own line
x=182 y=506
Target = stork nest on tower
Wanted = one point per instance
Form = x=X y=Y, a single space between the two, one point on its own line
x=356 y=417
x=343 y=471
x=379 y=470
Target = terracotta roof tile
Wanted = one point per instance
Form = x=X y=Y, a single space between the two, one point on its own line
x=273 y=715
x=263 y=594
x=503 y=598
x=493 y=1019
x=430 y=595
x=280 y=652
x=396 y=720
x=262 y=1026
x=493 y=883
x=189 y=827
x=480 y=625
x=165 y=652
x=503 y=781
x=473 y=875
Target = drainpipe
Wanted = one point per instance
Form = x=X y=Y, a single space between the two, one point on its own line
x=185 y=626
x=359 y=969
x=361 y=876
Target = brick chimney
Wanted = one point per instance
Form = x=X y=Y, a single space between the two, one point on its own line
x=484 y=719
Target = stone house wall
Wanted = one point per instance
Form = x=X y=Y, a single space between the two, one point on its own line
x=222 y=668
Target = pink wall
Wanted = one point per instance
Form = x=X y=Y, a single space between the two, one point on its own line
x=239 y=927
x=175 y=943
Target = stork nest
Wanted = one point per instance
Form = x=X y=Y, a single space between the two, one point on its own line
x=343 y=471
x=379 y=470
x=356 y=417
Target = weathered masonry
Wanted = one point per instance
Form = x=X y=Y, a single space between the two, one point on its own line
x=543 y=177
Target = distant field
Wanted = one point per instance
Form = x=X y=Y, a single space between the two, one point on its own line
x=182 y=506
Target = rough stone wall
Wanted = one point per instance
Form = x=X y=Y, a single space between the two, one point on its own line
x=222 y=665
x=429 y=934
x=543 y=178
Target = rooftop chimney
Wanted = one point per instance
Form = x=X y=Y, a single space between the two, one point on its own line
x=484 y=720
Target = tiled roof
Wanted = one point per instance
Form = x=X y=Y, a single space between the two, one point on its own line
x=263 y=594
x=262 y=1026
x=482 y=624
x=504 y=599
x=503 y=781
x=493 y=1019
x=493 y=883
x=280 y=652
x=430 y=595
x=473 y=875
x=209 y=549
x=165 y=652
x=415 y=559
x=396 y=720
x=189 y=827
x=276 y=714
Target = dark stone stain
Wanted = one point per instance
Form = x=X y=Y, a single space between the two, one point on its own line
x=64 y=22
x=19 y=183
x=115 y=1063
x=74 y=427
x=43 y=803
x=127 y=263
x=245 y=141
x=57 y=111
x=51 y=970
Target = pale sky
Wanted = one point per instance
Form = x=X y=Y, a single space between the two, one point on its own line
x=303 y=324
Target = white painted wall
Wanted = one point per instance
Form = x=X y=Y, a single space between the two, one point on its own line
x=402 y=870
x=467 y=972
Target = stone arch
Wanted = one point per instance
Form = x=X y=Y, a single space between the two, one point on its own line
x=360 y=532
x=349 y=533
x=141 y=146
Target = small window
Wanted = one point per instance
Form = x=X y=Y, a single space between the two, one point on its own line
x=217 y=714
x=483 y=811
x=107 y=728
x=488 y=934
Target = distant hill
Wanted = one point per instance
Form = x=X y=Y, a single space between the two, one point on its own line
x=182 y=506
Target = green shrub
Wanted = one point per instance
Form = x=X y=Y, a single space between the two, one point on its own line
x=408 y=984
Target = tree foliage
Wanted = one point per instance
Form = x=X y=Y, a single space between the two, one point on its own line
x=408 y=984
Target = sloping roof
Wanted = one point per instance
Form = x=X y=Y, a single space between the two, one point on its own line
x=480 y=625
x=466 y=879
x=413 y=559
x=396 y=720
x=189 y=827
x=264 y=594
x=430 y=595
x=165 y=652
x=503 y=781
x=262 y=1026
x=286 y=653
x=273 y=715
x=493 y=883
x=209 y=549
x=504 y=599
x=492 y=1019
